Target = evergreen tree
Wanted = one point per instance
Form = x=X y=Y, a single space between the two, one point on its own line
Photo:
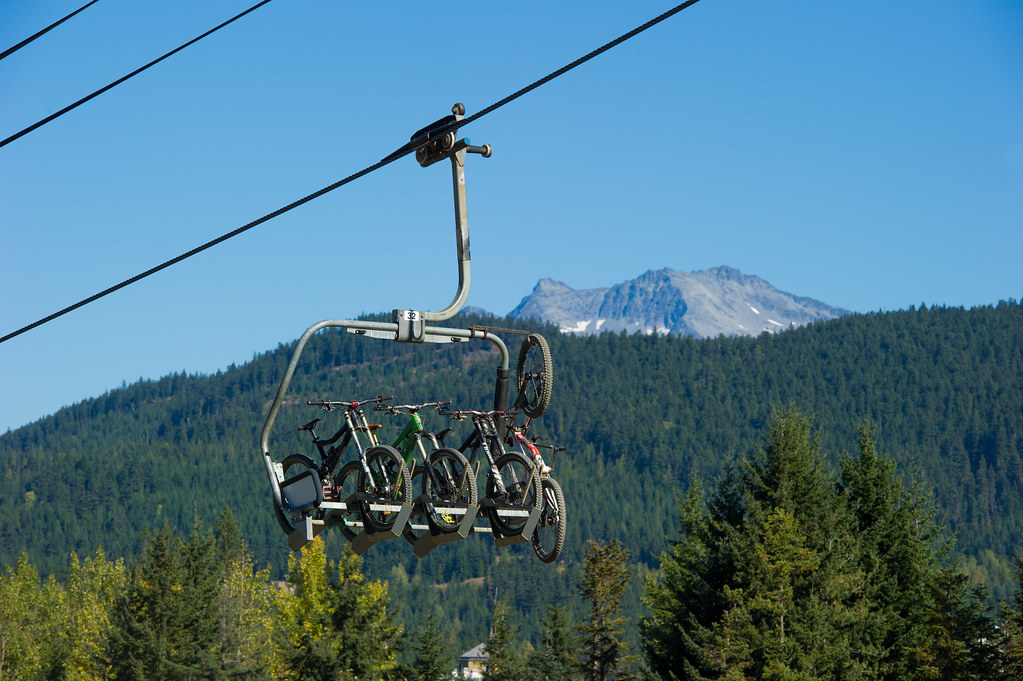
x=431 y=656
x=1012 y=622
x=245 y=607
x=163 y=626
x=963 y=638
x=504 y=663
x=898 y=543
x=779 y=574
x=554 y=660
x=605 y=577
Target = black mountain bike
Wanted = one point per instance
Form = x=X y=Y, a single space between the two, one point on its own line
x=375 y=483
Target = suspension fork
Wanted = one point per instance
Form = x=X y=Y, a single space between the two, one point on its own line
x=427 y=466
x=534 y=469
x=486 y=431
x=353 y=430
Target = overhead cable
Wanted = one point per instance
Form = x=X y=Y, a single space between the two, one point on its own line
x=26 y=41
x=390 y=158
x=134 y=73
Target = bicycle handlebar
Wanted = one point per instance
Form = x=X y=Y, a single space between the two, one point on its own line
x=552 y=447
x=409 y=408
x=462 y=413
x=330 y=405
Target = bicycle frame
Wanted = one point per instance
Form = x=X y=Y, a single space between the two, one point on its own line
x=411 y=437
x=355 y=421
x=485 y=436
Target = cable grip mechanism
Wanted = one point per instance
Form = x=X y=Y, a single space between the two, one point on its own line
x=439 y=140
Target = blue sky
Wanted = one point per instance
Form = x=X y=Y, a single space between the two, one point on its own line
x=869 y=155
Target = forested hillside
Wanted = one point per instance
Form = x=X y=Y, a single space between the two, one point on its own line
x=642 y=417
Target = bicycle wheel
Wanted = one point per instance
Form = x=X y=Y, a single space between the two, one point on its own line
x=521 y=494
x=347 y=484
x=293 y=464
x=549 y=535
x=456 y=485
x=410 y=534
x=535 y=375
x=389 y=481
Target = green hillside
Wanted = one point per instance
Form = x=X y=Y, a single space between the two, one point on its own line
x=642 y=417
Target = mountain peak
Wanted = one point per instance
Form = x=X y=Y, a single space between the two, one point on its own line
x=705 y=304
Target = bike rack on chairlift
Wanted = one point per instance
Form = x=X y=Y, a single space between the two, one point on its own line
x=304 y=493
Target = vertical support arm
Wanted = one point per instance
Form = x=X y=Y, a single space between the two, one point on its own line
x=461 y=242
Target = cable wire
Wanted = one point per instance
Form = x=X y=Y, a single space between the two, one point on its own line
x=390 y=158
x=26 y=41
x=134 y=73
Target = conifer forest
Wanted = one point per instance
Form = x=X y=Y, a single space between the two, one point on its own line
x=842 y=500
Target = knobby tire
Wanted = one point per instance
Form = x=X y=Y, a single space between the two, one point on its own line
x=514 y=470
x=457 y=486
x=549 y=535
x=535 y=376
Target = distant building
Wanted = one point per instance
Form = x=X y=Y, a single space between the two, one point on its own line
x=471 y=663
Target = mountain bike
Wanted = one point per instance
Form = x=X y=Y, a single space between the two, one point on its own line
x=513 y=486
x=447 y=479
x=549 y=536
x=374 y=484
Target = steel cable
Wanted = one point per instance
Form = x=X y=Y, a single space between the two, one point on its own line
x=394 y=156
x=11 y=50
x=97 y=93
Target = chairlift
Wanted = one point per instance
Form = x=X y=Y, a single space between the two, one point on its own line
x=302 y=495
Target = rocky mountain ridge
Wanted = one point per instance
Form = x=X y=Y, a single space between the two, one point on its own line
x=703 y=304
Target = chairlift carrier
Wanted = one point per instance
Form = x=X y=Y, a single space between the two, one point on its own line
x=303 y=493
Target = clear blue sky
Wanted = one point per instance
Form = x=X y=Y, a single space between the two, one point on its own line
x=868 y=154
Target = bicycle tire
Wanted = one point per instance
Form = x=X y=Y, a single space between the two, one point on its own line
x=515 y=470
x=411 y=535
x=457 y=485
x=535 y=375
x=549 y=535
x=348 y=484
x=285 y=519
x=390 y=482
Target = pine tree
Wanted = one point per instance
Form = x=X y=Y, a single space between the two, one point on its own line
x=503 y=660
x=763 y=582
x=245 y=607
x=606 y=574
x=150 y=619
x=431 y=656
x=554 y=660
x=963 y=638
x=899 y=546
x=1012 y=619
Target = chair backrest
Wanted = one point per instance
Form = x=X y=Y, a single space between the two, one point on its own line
x=302 y=492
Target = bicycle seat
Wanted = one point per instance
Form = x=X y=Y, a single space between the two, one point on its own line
x=369 y=426
x=442 y=434
x=309 y=426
